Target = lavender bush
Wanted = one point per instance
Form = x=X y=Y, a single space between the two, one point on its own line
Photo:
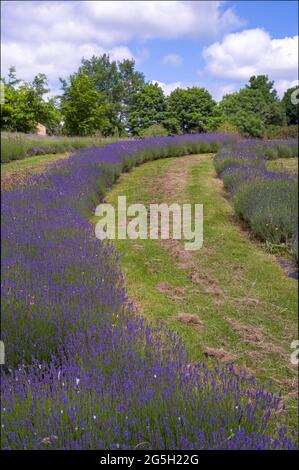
x=82 y=370
x=266 y=200
x=16 y=145
x=279 y=148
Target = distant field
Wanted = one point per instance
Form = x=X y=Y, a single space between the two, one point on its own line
x=16 y=146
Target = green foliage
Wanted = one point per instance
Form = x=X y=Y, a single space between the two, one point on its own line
x=148 y=108
x=291 y=108
x=83 y=106
x=254 y=108
x=156 y=130
x=227 y=128
x=282 y=132
x=110 y=98
x=13 y=147
x=24 y=105
x=194 y=109
x=117 y=82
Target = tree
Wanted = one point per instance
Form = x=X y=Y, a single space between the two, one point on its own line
x=40 y=85
x=193 y=108
x=83 y=107
x=290 y=102
x=148 y=107
x=12 y=77
x=254 y=108
x=264 y=86
x=24 y=105
x=117 y=82
x=132 y=82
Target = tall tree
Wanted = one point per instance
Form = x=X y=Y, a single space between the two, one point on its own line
x=148 y=107
x=12 y=77
x=24 y=105
x=194 y=109
x=40 y=84
x=132 y=82
x=83 y=106
x=254 y=108
x=118 y=82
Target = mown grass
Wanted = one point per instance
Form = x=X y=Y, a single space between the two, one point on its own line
x=33 y=161
x=289 y=165
x=18 y=171
x=254 y=320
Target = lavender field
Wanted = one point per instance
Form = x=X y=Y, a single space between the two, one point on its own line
x=83 y=370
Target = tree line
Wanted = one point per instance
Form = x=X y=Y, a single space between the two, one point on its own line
x=105 y=97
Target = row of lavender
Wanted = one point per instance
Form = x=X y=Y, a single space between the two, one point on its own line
x=82 y=370
x=266 y=200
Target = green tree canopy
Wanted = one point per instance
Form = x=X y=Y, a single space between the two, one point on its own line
x=147 y=107
x=254 y=108
x=83 y=107
x=117 y=82
x=193 y=108
x=24 y=105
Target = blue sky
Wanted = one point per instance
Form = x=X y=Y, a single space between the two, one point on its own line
x=217 y=45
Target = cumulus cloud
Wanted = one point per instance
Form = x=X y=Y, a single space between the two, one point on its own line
x=52 y=36
x=172 y=59
x=253 y=52
x=55 y=59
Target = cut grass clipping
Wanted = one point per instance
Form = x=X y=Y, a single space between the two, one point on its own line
x=230 y=301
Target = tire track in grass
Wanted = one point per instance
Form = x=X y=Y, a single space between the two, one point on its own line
x=229 y=301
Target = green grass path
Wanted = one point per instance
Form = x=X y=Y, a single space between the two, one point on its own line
x=230 y=301
x=16 y=172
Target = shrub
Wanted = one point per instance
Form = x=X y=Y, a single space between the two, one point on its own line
x=228 y=127
x=156 y=130
x=271 y=153
x=279 y=148
x=283 y=132
x=266 y=201
x=270 y=208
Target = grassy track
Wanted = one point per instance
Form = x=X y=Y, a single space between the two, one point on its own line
x=284 y=164
x=16 y=172
x=230 y=301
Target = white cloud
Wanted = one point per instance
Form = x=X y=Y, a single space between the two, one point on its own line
x=282 y=85
x=52 y=36
x=216 y=89
x=54 y=58
x=252 y=52
x=125 y=20
x=172 y=59
x=169 y=87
